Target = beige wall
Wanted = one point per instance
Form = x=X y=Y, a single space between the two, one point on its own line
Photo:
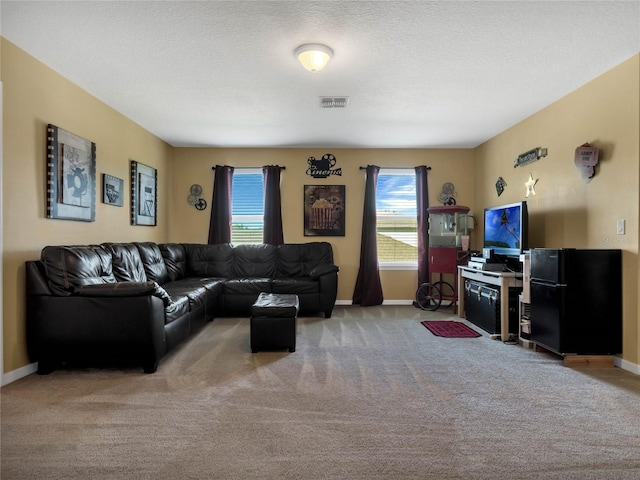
x=191 y=225
x=566 y=211
x=35 y=95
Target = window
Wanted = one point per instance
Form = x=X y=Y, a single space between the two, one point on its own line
x=396 y=217
x=247 y=206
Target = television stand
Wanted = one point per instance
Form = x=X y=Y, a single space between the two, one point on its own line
x=504 y=280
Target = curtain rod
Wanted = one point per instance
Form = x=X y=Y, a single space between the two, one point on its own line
x=396 y=168
x=246 y=168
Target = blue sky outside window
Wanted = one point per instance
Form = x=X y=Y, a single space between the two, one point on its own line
x=247 y=210
x=396 y=214
x=396 y=193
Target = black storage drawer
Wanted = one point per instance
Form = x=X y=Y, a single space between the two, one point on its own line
x=482 y=306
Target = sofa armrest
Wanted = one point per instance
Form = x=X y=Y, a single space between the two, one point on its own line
x=124 y=289
x=36 y=278
x=75 y=327
x=323 y=269
x=328 y=292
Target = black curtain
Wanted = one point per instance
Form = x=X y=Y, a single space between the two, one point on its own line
x=368 y=290
x=272 y=231
x=220 y=223
x=422 y=203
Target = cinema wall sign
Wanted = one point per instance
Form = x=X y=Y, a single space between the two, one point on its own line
x=323 y=168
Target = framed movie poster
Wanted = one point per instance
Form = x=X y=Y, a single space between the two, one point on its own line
x=71 y=176
x=112 y=190
x=324 y=210
x=144 y=194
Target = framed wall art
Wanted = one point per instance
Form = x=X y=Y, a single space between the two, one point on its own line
x=71 y=176
x=324 y=210
x=144 y=194
x=112 y=190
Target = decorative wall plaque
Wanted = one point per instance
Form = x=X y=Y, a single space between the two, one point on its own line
x=530 y=156
x=323 y=168
x=586 y=160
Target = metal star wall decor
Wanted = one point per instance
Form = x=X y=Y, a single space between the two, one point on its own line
x=530 y=185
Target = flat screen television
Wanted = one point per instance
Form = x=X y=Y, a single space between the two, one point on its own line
x=506 y=229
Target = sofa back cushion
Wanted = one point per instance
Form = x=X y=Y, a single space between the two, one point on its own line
x=255 y=261
x=153 y=262
x=210 y=260
x=126 y=262
x=68 y=267
x=175 y=259
x=298 y=259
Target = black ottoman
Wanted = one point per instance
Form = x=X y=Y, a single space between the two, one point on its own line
x=273 y=322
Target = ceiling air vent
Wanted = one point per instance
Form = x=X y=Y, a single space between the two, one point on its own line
x=334 y=102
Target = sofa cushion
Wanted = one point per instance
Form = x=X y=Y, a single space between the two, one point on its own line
x=175 y=259
x=177 y=309
x=295 y=285
x=68 y=267
x=210 y=260
x=246 y=286
x=212 y=285
x=299 y=259
x=126 y=262
x=153 y=262
x=254 y=261
x=197 y=296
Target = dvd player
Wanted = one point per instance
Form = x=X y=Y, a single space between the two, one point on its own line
x=486 y=266
x=485 y=260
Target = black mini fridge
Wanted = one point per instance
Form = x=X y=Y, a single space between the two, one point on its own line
x=576 y=300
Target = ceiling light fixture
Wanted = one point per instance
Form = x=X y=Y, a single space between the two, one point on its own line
x=313 y=56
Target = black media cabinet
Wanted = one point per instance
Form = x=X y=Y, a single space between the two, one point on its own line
x=510 y=285
x=482 y=306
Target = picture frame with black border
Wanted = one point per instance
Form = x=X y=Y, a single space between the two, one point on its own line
x=71 y=176
x=112 y=190
x=324 y=210
x=144 y=194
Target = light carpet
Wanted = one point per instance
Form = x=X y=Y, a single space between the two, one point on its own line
x=368 y=394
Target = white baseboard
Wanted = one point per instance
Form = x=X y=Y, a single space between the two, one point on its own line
x=626 y=365
x=19 y=373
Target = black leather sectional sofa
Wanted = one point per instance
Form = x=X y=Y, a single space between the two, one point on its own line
x=134 y=302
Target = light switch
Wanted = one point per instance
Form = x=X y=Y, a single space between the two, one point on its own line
x=620 y=230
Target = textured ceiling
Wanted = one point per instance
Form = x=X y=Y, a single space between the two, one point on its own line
x=417 y=73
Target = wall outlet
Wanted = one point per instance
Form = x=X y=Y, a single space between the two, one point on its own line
x=620 y=227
